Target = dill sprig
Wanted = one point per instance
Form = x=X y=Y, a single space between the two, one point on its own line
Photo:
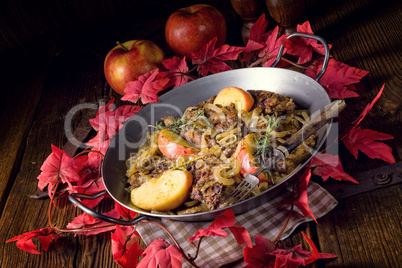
x=263 y=144
x=183 y=122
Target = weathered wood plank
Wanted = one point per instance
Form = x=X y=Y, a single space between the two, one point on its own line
x=22 y=82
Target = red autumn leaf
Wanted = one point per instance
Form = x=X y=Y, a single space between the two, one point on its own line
x=125 y=213
x=91 y=187
x=212 y=60
x=125 y=249
x=59 y=166
x=177 y=72
x=364 y=140
x=302 y=199
x=160 y=254
x=257 y=256
x=145 y=88
x=108 y=122
x=338 y=78
x=257 y=38
x=326 y=165
x=84 y=221
x=367 y=109
x=304 y=47
x=271 y=48
x=265 y=254
x=225 y=220
x=101 y=110
x=242 y=235
x=45 y=236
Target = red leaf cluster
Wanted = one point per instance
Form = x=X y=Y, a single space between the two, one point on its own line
x=226 y=220
x=125 y=249
x=45 y=236
x=266 y=254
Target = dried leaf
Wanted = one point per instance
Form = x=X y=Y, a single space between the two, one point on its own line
x=367 y=109
x=365 y=141
x=160 y=254
x=59 y=166
x=271 y=48
x=177 y=72
x=125 y=249
x=302 y=198
x=326 y=165
x=125 y=213
x=304 y=47
x=45 y=236
x=85 y=221
x=212 y=60
x=257 y=256
x=338 y=78
x=145 y=88
x=216 y=228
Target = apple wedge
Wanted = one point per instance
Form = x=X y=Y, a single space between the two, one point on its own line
x=172 y=145
x=242 y=99
x=245 y=156
x=164 y=193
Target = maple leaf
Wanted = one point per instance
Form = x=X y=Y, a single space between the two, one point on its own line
x=59 y=166
x=326 y=165
x=338 y=78
x=125 y=249
x=266 y=254
x=364 y=140
x=271 y=48
x=160 y=254
x=85 y=221
x=211 y=60
x=126 y=213
x=304 y=47
x=44 y=235
x=257 y=38
x=177 y=72
x=367 y=109
x=302 y=199
x=108 y=122
x=90 y=187
x=226 y=220
x=256 y=256
x=145 y=88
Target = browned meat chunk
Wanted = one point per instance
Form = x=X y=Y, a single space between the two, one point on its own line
x=272 y=102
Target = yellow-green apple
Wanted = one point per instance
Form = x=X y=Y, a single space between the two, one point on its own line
x=129 y=60
x=188 y=29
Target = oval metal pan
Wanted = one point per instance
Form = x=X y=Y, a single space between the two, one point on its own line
x=305 y=91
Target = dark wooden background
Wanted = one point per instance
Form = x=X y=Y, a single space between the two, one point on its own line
x=52 y=53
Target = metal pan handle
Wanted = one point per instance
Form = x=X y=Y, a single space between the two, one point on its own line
x=73 y=199
x=318 y=38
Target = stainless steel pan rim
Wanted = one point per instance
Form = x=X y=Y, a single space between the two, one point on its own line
x=305 y=91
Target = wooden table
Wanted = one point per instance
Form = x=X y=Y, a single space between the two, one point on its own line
x=44 y=78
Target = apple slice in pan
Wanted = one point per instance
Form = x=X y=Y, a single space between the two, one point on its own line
x=172 y=145
x=164 y=193
x=242 y=99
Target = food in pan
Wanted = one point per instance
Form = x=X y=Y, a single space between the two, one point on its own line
x=211 y=147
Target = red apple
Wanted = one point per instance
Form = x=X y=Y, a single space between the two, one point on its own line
x=190 y=28
x=127 y=61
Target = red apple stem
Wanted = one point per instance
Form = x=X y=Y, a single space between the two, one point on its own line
x=120 y=44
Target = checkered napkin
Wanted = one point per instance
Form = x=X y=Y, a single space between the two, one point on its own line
x=266 y=220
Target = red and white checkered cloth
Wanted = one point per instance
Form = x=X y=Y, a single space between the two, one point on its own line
x=266 y=220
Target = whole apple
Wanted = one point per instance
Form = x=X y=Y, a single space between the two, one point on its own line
x=190 y=28
x=129 y=60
